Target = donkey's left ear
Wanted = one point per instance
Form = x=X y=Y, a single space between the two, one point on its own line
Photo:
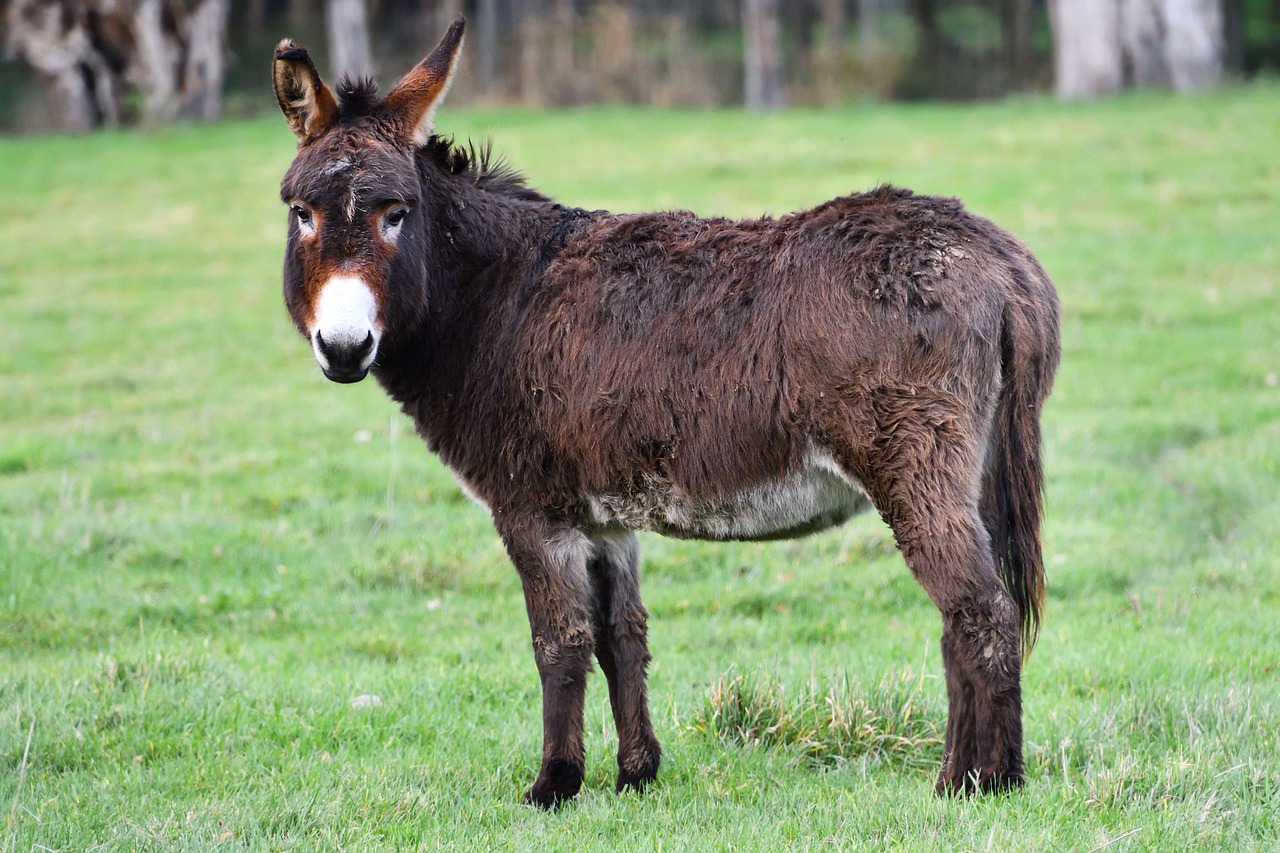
x=414 y=99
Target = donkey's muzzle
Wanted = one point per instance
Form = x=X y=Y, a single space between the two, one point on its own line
x=345 y=362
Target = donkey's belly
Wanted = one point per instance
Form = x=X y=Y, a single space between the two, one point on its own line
x=814 y=497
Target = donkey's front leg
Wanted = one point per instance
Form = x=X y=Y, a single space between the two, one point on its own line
x=552 y=563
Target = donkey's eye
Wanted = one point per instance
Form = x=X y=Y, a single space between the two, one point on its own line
x=304 y=215
x=392 y=221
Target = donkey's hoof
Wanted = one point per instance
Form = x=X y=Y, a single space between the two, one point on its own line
x=558 y=782
x=1000 y=783
x=951 y=784
x=948 y=786
x=638 y=769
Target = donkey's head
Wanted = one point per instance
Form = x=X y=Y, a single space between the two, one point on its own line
x=356 y=250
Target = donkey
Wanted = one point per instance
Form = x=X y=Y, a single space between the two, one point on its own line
x=586 y=375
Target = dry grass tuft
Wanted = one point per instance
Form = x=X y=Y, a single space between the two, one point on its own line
x=890 y=723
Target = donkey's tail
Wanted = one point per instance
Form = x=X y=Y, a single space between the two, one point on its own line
x=1014 y=477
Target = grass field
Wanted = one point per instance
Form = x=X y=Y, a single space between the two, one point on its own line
x=207 y=551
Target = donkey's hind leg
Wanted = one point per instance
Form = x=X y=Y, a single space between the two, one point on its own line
x=621 y=635
x=928 y=494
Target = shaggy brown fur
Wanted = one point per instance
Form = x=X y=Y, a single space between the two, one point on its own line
x=587 y=374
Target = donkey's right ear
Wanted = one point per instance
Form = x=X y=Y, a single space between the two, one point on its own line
x=307 y=103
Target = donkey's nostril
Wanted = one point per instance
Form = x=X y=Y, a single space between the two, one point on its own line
x=367 y=346
x=326 y=349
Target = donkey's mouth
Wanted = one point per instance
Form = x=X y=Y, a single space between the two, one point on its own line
x=345 y=377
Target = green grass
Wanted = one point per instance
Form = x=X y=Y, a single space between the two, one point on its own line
x=207 y=551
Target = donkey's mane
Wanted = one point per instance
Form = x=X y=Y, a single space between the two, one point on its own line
x=478 y=163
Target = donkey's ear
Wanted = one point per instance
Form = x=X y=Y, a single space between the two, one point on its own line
x=414 y=100
x=307 y=103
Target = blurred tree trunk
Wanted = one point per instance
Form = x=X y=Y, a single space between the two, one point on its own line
x=58 y=47
x=867 y=35
x=1193 y=43
x=563 y=68
x=928 y=57
x=255 y=16
x=89 y=51
x=178 y=59
x=349 y=52
x=1086 y=56
x=1233 y=36
x=830 y=70
x=799 y=17
x=1016 y=15
x=833 y=20
x=531 y=39
x=205 y=65
x=1101 y=46
x=157 y=60
x=301 y=12
x=1141 y=50
x=762 y=55
x=487 y=45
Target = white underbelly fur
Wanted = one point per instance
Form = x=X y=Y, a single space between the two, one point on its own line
x=820 y=494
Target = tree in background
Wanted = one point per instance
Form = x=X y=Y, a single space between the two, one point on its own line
x=111 y=61
x=89 y=53
x=348 y=27
x=762 y=55
x=1103 y=46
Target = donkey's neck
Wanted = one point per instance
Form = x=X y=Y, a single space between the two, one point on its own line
x=493 y=239
x=486 y=245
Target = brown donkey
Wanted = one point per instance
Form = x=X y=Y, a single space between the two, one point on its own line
x=586 y=375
